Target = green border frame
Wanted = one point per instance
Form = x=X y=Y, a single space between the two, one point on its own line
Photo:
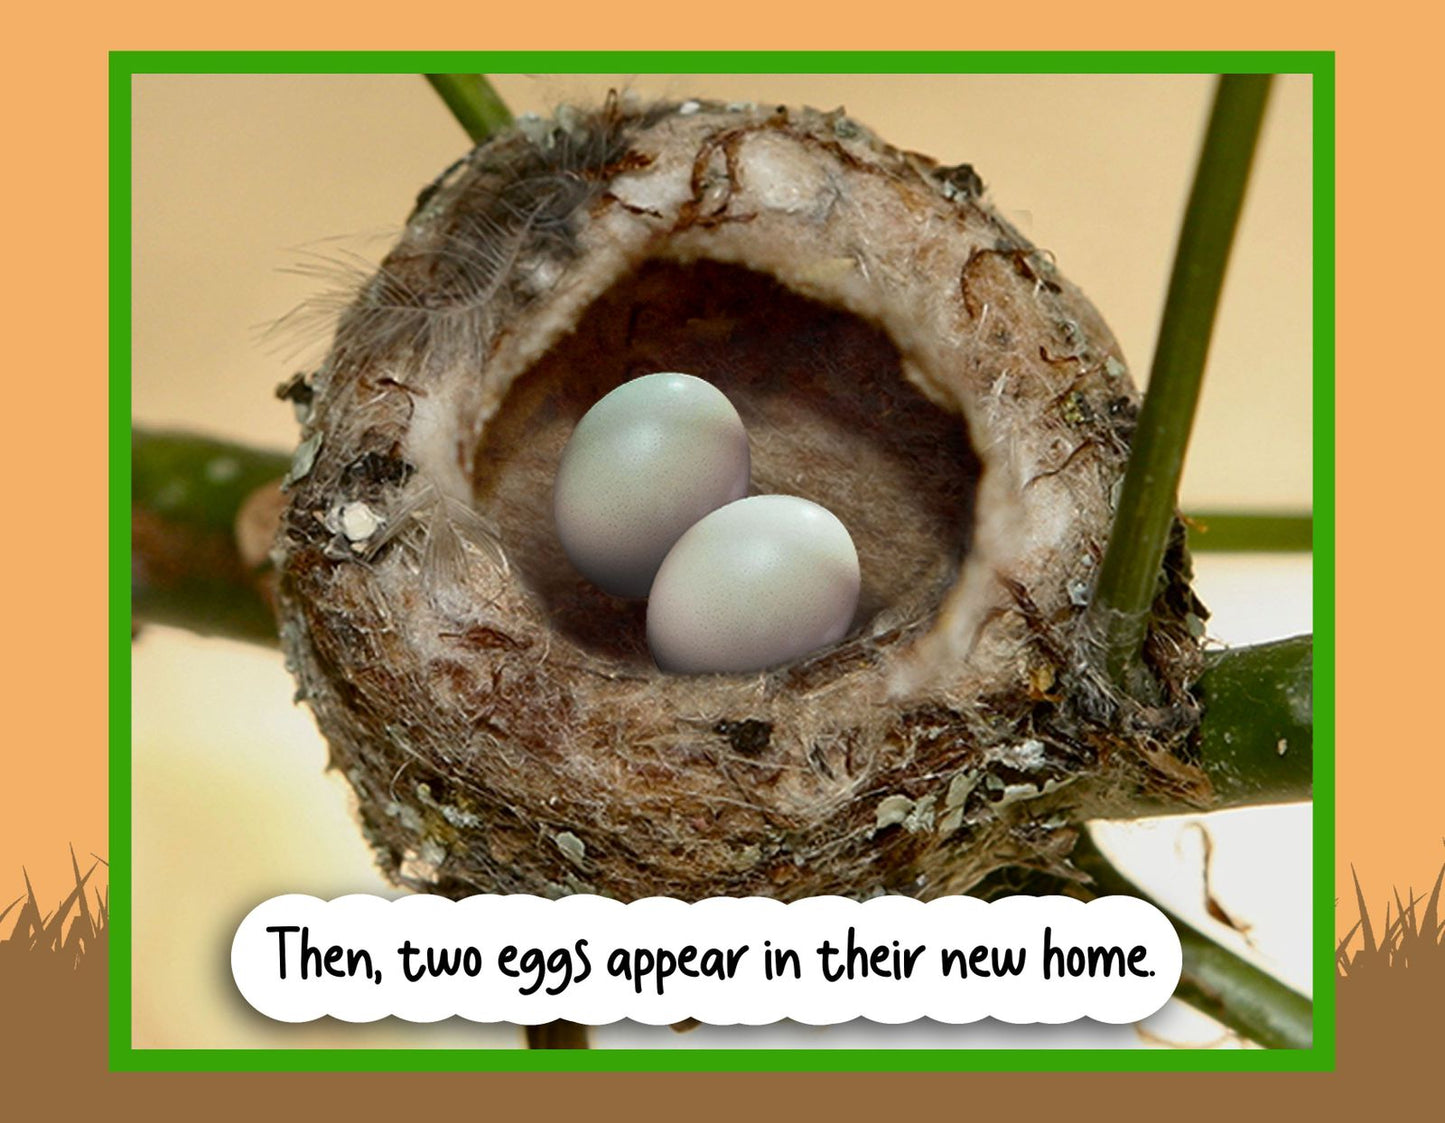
x=125 y=64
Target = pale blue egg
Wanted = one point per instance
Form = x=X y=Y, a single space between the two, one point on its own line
x=757 y=583
x=644 y=464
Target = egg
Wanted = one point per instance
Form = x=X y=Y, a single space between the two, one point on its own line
x=644 y=464
x=756 y=583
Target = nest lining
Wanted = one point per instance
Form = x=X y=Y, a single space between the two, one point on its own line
x=898 y=354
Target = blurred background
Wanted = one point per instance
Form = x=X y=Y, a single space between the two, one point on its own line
x=242 y=184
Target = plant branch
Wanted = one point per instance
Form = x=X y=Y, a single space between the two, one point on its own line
x=1256 y=741
x=1227 y=532
x=477 y=107
x=1215 y=980
x=1130 y=571
x=202 y=518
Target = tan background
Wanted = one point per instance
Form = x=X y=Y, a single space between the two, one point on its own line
x=254 y=194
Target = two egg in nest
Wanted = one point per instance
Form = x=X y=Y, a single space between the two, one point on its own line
x=650 y=499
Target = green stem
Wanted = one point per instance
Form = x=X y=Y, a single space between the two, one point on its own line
x=1256 y=741
x=187 y=569
x=477 y=107
x=1227 y=532
x=1130 y=570
x=1215 y=981
x=1256 y=737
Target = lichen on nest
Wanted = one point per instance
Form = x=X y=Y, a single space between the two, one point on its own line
x=898 y=352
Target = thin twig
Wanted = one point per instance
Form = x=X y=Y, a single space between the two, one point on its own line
x=477 y=107
x=1215 y=981
x=1129 y=574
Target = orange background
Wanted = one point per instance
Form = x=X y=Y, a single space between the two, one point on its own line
x=1391 y=772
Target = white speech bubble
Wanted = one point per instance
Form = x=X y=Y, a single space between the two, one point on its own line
x=723 y=961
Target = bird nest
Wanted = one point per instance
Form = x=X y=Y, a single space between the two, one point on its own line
x=897 y=352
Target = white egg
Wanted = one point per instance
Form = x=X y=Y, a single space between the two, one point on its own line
x=646 y=462
x=756 y=583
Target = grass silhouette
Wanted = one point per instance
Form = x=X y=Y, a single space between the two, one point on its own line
x=1413 y=941
x=1391 y=985
x=53 y=970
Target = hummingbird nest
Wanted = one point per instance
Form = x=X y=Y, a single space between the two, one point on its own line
x=898 y=353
